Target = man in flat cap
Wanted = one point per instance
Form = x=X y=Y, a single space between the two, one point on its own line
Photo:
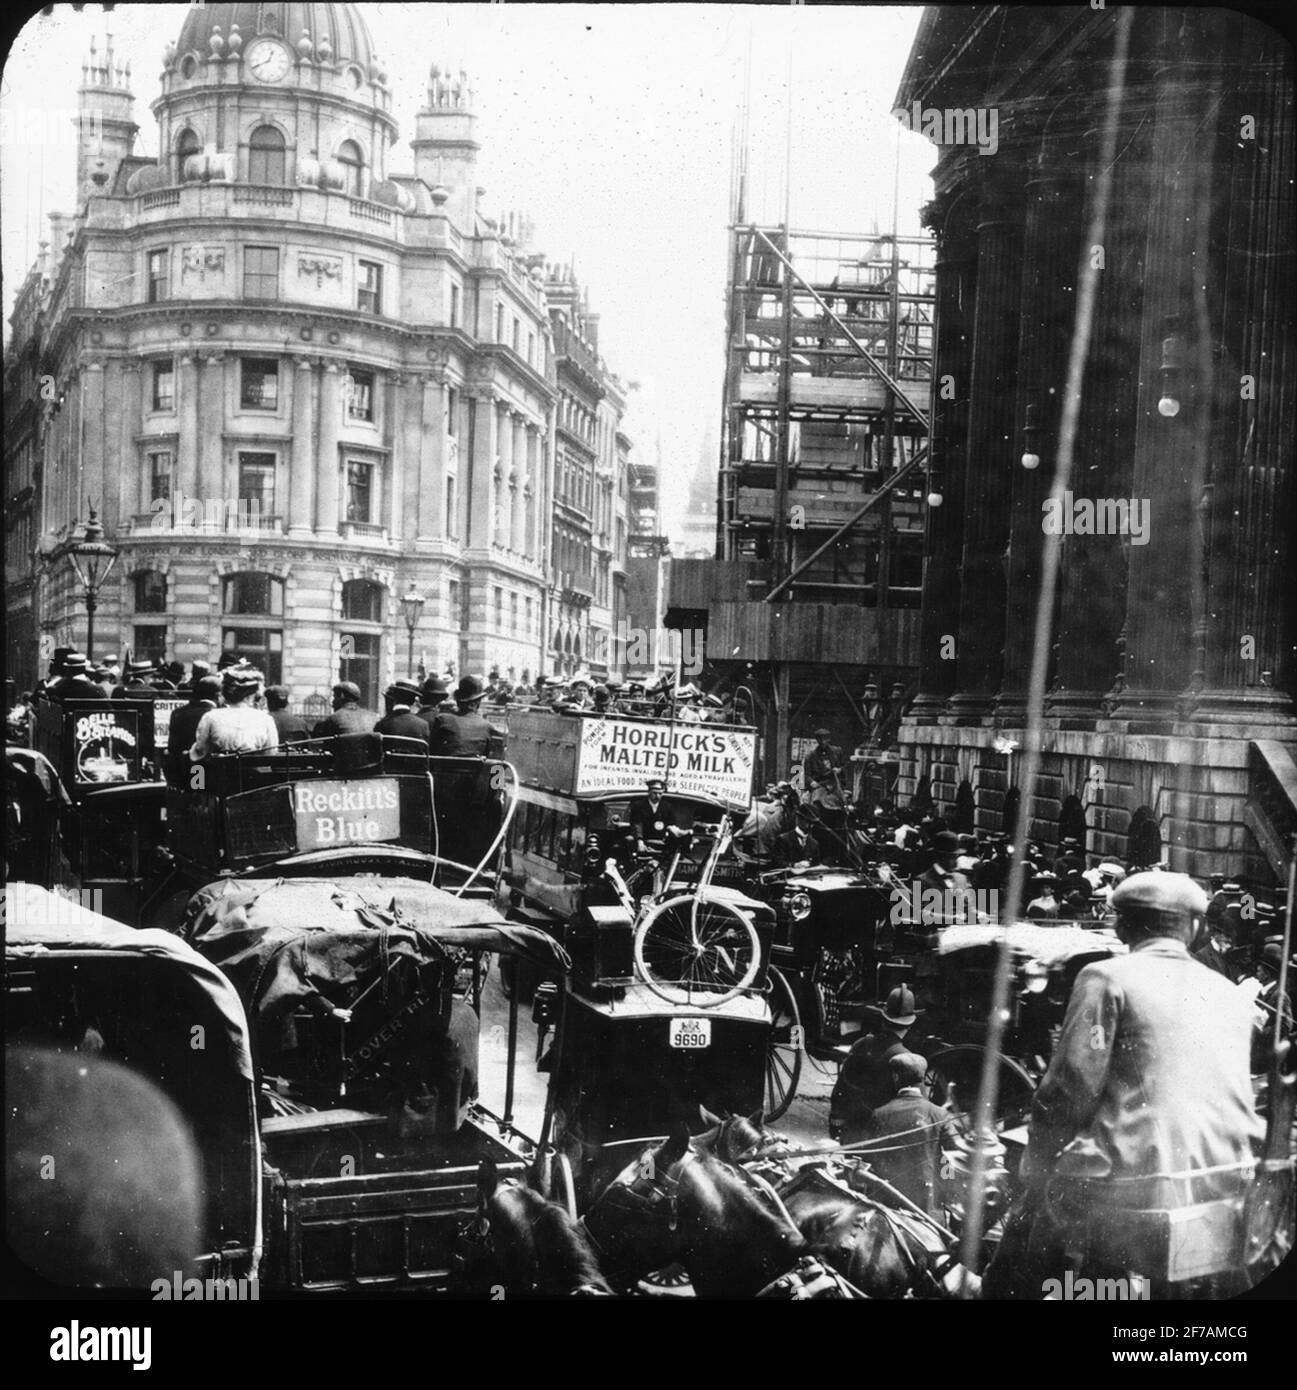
x=1149 y=1084
x=348 y=717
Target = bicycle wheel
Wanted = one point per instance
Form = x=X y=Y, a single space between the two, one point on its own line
x=691 y=950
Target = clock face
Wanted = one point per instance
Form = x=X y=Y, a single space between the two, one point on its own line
x=268 y=61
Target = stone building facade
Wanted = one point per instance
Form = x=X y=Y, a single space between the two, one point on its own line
x=295 y=383
x=1169 y=727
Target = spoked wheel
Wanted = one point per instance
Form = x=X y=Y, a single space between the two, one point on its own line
x=696 y=951
x=564 y=1185
x=960 y=1068
x=784 y=1050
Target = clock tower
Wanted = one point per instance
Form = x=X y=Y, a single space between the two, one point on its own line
x=267 y=94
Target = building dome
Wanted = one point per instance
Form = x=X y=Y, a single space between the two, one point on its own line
x=347 y=33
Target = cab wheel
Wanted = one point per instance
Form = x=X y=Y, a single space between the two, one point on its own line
x=784 y=1049
x=960 y=1067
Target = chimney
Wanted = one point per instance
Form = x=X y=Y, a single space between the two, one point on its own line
x=445 y=152
x=105 y=129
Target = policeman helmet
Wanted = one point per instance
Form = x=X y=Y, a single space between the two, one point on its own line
x=900 y=1006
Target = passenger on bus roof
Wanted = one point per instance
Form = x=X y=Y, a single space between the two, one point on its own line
x=464 y=734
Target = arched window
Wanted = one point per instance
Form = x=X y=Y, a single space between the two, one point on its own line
x=187 y=144
x=353 y=168
x=267 y=158
x=1144 y=840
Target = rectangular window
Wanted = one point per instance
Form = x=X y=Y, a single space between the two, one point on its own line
x=360 y=491
x=164 y=385
x=452 y=412
x=360 y=664
x=261 y=272
x=160 y=475
x=497 y=603
x=517 y=334
x=260 y=383
x=150 y=643
x=150 y=591
x=513 y=612
x=452 y=601
x=531 y=349
x=454 y=306
x=452 y=513
x=369 y=287
x=499 y=323
x=360 y=394
x=257 y=484
x=262 y=647
x=159 y=265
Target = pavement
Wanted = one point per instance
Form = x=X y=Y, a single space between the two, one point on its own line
x=806 y=1122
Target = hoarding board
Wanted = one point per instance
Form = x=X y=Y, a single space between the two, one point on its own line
x=620 y=755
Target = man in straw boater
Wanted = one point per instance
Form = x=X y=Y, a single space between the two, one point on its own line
x=1144 y=1125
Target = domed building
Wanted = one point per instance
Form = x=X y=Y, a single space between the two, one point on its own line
x=312 y=397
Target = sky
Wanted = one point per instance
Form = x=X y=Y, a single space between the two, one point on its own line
x=611 y=126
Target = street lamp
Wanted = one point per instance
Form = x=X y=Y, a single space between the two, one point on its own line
x=93 y=560
x=412 y=602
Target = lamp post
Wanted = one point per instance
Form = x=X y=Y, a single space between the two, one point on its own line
x=412 y=602
x=93 y=560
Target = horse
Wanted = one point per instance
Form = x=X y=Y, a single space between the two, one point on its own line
x=679 y=1202
x=885 y=1251
x=524 y=1245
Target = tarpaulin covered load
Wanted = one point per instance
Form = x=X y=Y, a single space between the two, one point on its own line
x=383 y=948
x=38 y=922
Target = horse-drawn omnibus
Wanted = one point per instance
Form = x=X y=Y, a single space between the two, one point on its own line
x=671 y=1002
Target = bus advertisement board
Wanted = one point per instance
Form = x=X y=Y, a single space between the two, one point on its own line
x=619 y=755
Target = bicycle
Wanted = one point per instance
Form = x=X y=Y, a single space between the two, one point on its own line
x=691 y=948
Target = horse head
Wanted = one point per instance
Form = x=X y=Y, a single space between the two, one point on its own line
x=739 y=1139
x=524 y=1244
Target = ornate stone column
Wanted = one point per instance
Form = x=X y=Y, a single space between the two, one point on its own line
x=953 y=216
x=1092 y=582
x=479 y=529
x=1051 y=245
x=211 y=441
x=328 y=483
x=187 y=417
x=432 y=460
x=518 y=486
x=1170 y=450
x=301 y=474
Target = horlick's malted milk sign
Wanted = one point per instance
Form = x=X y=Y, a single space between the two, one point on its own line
x=346 y=813
x=620 y=755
